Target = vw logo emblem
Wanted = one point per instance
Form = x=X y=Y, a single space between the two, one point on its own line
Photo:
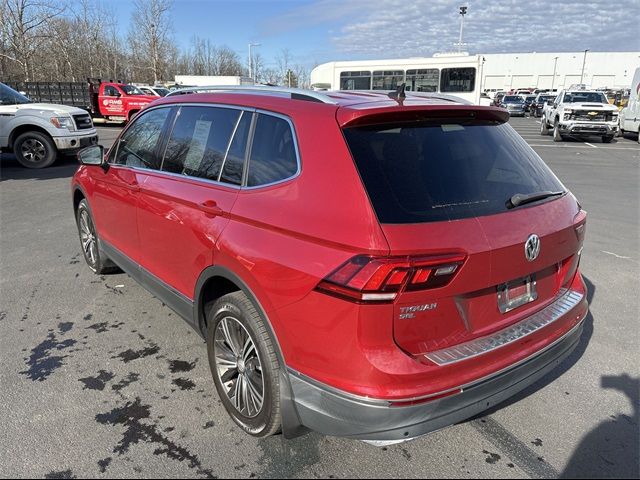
x=532 y=247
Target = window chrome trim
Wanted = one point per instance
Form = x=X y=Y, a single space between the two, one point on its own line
x=231 y=138
x=249 y=143
x=479 y=346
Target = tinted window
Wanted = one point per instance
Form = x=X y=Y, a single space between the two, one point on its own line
x=137 y=146
x=435 y=172
x=273 y=153
x=355 y=80
x=199 y=141
x=234 y=164
x=458 y=80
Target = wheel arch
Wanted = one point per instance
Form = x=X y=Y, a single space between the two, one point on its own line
x=25 y=128
x=221 y=281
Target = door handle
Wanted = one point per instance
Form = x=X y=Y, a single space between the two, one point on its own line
x=211 y=208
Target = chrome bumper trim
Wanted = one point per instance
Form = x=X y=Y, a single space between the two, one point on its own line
x=513 y=333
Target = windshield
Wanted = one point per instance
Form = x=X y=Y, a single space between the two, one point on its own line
x=531 y=98
x=8 y=96
x=162 y=92
x=586 y=97
x=512 y=98
x=445 y=171
x=131 y=90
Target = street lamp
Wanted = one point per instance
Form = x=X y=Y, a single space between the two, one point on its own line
x=463 y=12
x=584 y=60
x=553 y=79
x=251 y=58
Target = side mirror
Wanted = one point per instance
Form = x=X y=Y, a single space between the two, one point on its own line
x=93 y=155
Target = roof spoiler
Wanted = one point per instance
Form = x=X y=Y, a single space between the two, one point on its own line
x=419 y=113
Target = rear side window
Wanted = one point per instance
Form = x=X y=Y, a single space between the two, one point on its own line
x=273 y=152
x=137 y=146
x=199 y=141
x=437 y=172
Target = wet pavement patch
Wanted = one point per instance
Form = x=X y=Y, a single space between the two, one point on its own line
x=65 y=326
x=62 y=474
x=130 y=355
x=132 y=416
x=97 y=383
x=177 y=366
x=184 y=383
x=125 y=382
x=41 y=362
x=492 y=457
x=104 y=463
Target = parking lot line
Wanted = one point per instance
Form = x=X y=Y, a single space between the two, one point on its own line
x=591 y=145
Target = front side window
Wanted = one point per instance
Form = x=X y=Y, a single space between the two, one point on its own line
x=458 y=80
x=110 y=91
x=137 y=146
x=273 y=152
x=387 y=80
x=132 y=90
x=199 y=141
x=423 y=80
x=355 y=80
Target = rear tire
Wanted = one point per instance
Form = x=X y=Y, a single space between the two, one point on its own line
x=244 y=364
x=96 y=260
x=35 y=150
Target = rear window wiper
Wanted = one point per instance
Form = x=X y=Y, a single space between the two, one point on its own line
x=524 y=198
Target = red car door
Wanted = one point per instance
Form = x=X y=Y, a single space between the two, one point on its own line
x=114 y=199
x=111 y=101
x=185 y=206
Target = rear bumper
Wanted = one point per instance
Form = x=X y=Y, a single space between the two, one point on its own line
x=332 y=412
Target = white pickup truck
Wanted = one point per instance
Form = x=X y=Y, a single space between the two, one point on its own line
x=580 y=113
x=37 y=132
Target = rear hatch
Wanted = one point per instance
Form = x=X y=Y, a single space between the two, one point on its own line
x=445 y=188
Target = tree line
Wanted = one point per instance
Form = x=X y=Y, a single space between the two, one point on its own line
x=42 y=40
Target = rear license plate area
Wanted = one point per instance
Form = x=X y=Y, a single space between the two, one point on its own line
x=516 y=293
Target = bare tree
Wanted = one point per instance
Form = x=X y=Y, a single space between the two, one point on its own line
x=24 y=30
x=283 y=60
x=150 y=35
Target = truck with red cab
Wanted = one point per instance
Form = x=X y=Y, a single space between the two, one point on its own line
x=113 y=101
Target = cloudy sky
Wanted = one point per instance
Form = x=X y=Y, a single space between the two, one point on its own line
x=317 y=31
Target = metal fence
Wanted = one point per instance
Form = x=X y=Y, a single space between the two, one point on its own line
x=65 y=93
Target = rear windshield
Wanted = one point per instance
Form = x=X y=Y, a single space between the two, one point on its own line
x=445 y=171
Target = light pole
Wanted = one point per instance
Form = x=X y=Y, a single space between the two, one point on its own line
x=553 y=79
x=463 y=12
x=251 y=59
x=584 y=60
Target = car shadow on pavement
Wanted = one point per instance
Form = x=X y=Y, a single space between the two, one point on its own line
x=561 y=369
x=10 y=169
x=611 y=449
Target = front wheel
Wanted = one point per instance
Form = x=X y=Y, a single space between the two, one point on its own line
x=557 y=136
x=607 y=138
x=35 y=150
x=244 y=364
x=544 y=128
x=89 y=241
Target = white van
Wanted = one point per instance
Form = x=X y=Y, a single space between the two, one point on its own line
x=630 y=115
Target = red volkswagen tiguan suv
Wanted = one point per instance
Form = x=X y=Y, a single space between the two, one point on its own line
x=363 y=264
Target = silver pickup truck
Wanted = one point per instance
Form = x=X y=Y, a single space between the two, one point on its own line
x=580 y=113
x=37 y=132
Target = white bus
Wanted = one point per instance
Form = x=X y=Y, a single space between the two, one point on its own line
x=453 y=74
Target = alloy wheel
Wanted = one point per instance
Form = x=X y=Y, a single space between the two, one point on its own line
x=33 y=150
x=238 y=367
x=88 y=238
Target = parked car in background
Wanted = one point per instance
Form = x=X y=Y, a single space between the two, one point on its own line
x=538 y=104
x=153 y=91
x=528 y=100
x=437 y=279
x=630 y=115
x=514 y=104
x=580 y=113
x=37 y=132
x=497 y=98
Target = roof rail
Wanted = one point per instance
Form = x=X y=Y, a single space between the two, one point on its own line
x=295 y=93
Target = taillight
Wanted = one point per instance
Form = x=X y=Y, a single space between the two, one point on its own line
x=368 y=279
x=580 y=224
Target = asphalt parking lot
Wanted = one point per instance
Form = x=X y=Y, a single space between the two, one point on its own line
x=99 y=379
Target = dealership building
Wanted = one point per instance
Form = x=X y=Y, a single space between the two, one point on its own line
x=505 y=71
